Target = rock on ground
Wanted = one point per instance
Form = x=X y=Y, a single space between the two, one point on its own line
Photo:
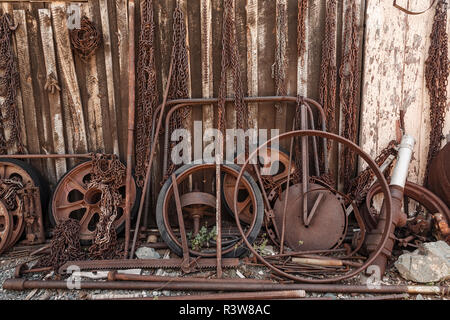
x=429 y=263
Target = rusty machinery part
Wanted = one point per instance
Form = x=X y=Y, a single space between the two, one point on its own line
x=9 y=84
x=118 y=264
x=278 y=173
x=328 y=68
x=6 y=227
x=360 y=185
x=302 y=14
x=18 y=181
x=348 y=89
x=378 y=174
x=147 y=94
x=231 y=247
x=419 y=224
x=178 y=86
x=65 y=245
x=439 y=174
x=436 y=77
x=326 y=224
x=73 y=198
x=86 y=39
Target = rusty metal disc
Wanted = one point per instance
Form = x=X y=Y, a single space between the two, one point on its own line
x=439 y=175
x=17 y=216
x=277 y=171
x=6 y=227
x=328 y=224
x=73 y=198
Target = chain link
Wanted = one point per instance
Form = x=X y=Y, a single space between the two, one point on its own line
x=302 y=6
x=147 y=100
x=9 y=83
x=86 y=39
x=436 y=77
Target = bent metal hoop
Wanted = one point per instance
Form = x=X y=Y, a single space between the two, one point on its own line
x=378 y=174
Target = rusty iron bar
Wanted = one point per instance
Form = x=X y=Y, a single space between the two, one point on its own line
x=131 y=115
x=184 y=243
x=24 y=284
x=267 y=295
x=44 y=156
x=114 y=276
x=152 y=156
x=355 y=148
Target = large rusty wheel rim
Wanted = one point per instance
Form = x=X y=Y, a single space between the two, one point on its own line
x=385 y=189
x=168 y=198
x=243 y=199
x=6 y=226
x=73 y=198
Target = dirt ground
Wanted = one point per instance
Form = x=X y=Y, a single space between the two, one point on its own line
x=9 y=260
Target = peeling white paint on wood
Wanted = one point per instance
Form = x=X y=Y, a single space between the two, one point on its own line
x=252 y=60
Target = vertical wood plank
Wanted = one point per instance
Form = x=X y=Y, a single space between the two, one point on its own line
x=252 y=60
x=106 y=33
x=56 y=117
x=67 y=67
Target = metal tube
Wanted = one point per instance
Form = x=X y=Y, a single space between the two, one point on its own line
x=23 y=284
x=131 y=115
x=44 y=156
x=400 y=172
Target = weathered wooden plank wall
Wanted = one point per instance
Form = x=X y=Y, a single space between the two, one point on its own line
x=90 y=112
x=395 y=50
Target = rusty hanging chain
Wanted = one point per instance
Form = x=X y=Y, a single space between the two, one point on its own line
x=230 y=62
x=302 y=6
x=328 y=69
x=279 y=68
x=65 y=245
x=9 y=83
x=178 y=87
x=86 y=39
x=360 y=185
x=107 y=175
x=348 y=89
x=9 y=189
x=436 y=76
x=147 y=100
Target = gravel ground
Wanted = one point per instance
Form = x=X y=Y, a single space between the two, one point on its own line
x=9 y=262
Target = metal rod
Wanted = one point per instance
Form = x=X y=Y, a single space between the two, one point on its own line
x=23 y=284
x=131 y=116
x=44 y=156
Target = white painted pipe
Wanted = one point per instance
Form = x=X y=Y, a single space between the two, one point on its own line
x=400 y=172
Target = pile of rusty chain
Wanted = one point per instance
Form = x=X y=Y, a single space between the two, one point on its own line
x=86 y=39
x=301 y=27
x=147 y=100
x=65 y=245
x=328 y=69
x=178 y=86
x=8 y=192
x=9 y=83
x=348 y=90
x=107 y=175
x=436 y=76
x=360 y=185
x=280 y=66
x=230 y=61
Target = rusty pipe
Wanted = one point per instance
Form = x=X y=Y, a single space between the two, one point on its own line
x=44 y=156
x=24 y=284
x=131 y=116
x=115 y=276
x=396 y=187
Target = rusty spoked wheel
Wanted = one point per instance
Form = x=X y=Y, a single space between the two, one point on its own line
x=278 y=171
x=199 y=209
x=385 y=189
x=27 y=176
x=6 y=227
x=74 y=199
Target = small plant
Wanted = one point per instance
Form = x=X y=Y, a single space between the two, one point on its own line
x=261 y=245
x=202 y=238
